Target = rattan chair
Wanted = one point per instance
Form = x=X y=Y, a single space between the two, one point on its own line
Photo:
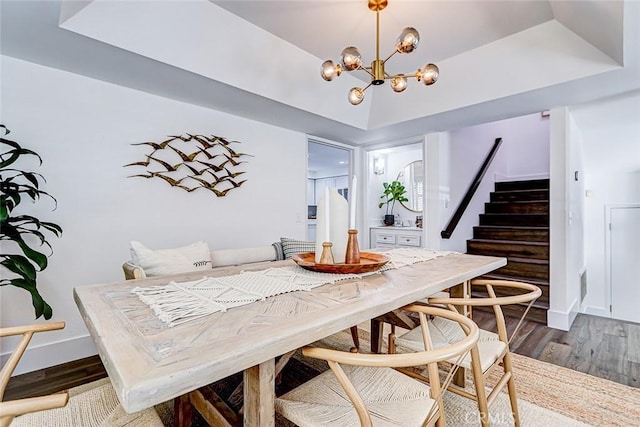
x=59 y=408
x=492 y=349
x=364 y=390
x=10 y=410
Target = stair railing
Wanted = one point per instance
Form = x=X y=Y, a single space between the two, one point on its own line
x=464 y=203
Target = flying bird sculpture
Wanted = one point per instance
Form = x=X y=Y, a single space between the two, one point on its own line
x=183 y=163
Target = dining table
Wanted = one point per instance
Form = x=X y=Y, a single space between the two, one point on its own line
x=149 y=362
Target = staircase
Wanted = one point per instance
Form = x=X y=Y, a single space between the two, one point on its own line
x=515 y=225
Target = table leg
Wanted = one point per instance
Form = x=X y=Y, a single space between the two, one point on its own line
x=376 y=335
x=182 y=411
x=259 y=395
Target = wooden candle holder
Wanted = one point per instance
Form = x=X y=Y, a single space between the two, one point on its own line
x=327 y=256
x=353 y=250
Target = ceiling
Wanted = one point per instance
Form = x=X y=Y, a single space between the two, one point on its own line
x=325 y=160
x=261 y=59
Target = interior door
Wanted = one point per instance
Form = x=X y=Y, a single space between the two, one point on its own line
x=625 y=263
x=325 y=162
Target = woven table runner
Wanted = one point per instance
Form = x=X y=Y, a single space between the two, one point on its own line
x=176 y=303
x=401 y=257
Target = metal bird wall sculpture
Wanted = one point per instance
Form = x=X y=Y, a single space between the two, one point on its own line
x=191 y=162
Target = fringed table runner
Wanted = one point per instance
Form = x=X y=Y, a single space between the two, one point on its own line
x=176 y=303
x=401 y=257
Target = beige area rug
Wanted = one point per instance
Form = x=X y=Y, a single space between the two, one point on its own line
x=548 y=395
x=90 y=405
x=584 y=397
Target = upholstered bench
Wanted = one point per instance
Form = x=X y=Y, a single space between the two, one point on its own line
x=145 y=262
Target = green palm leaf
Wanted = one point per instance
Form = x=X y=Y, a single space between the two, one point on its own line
x=20 y=265
x=14 y=185
x=39 y=304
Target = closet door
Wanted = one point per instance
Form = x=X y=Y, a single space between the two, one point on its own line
x=625 y=263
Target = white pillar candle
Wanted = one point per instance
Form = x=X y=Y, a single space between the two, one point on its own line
x=327 y=210
x=352 y=204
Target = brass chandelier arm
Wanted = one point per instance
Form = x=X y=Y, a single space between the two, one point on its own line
x=389 y=57
x=368 y=70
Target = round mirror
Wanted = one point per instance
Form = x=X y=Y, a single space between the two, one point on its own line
x=411 y=177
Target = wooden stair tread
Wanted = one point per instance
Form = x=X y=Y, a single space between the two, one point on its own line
x=528 y=260
x=515 y=227
x=521 y=191
x=509 y=242
x=512 y=195
x=515 y=214
x=532 y=281
x=521 y=202
x=534 y=184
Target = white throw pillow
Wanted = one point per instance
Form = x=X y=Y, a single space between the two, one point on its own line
x=195 y=256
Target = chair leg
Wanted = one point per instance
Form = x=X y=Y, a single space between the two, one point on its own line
x=376 y=335
x=511 y=387
x=392 y=340
x=356 y=339
x=478 y=382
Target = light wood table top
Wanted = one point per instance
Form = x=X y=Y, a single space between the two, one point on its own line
x=149 y=363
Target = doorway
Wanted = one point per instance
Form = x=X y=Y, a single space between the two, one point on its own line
x=328 y=166
x=624 y=261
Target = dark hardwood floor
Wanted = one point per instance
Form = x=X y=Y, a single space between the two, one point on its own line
x=598 y=346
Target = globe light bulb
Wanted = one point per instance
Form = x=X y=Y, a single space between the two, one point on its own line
x=429 y=74
x=356 y=95
x=399 y=82
x=329 y=70
x=408 y=40
x=351 y=58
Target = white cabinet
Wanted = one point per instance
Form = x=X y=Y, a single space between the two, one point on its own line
x=394 y=237
x=311 y=231
x=340 y=183
x=321 y=186
x=311 y=191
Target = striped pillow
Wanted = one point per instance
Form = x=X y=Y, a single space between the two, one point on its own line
x=279 y=253
x=290 y=247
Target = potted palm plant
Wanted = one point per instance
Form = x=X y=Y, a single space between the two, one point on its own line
x=393 y=192
x=18 y=232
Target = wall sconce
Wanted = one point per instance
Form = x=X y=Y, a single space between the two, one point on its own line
x=378 y=166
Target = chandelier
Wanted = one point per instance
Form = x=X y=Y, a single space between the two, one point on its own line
x=351 y=60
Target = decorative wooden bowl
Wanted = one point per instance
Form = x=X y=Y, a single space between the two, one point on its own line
x=369 y=261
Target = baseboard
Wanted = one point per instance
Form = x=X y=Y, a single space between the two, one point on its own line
x=562 y=320
x=596 y=311
x=44 y=356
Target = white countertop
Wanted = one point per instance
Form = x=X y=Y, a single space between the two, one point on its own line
x=395 y=227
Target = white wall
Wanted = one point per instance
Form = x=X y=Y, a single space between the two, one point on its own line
x=610 y=131
x=566 y=220
x=83 y=129
x=437 y=186
x=575 y=200
x=395 y=160
x=524 y=154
